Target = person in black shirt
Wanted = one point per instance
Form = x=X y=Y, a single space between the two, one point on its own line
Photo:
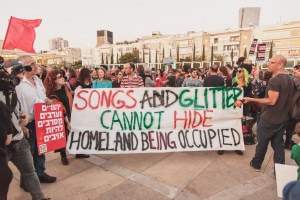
x=213 y=80
x=118 y=78
x=171 y=79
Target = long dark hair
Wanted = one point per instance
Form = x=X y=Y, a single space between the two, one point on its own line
x=83 y=75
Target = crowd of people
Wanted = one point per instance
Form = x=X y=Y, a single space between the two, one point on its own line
x=266 y=99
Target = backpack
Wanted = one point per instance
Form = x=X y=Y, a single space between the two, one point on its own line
x=179 y=80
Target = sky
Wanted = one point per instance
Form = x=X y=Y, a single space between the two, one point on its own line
x=78 y=21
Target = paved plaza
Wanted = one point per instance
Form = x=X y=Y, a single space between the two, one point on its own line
x=158 y=176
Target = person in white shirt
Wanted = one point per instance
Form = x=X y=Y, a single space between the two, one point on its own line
x=29 y=91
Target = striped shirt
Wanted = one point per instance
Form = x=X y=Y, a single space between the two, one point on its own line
x=136 y=82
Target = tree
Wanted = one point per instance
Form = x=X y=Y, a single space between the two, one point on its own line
x=112 y=57
x=102 y=59
x=128 y=57
x=245 y=52
x=177 y=54
x=271 y=50
x=136 y=54
x=194 y=52
x=231 y=56
x=187 y=59
x=212 y=55
x=203 y=53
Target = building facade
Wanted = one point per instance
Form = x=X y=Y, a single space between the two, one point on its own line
x=104 y=37
x=58 y=44
x=249 y=17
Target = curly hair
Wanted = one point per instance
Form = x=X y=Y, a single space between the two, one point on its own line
x=49 y=81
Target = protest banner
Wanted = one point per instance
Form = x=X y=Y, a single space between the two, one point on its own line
x=253 y=47
x=50 y=129
x=153 y=120
x=261 y=52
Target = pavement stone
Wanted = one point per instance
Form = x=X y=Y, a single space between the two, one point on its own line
x=178 y=176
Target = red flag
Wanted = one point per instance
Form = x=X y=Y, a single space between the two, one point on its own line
x=21 y=34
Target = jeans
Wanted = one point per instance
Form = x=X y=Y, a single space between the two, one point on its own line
x=5 y=175
x=292 y=191
x=289 y=131
x=19 y=154
x=38 y=160
x=267 y=132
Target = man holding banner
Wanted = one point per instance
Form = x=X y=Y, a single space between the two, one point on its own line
x=274 y=115
x=30 y=91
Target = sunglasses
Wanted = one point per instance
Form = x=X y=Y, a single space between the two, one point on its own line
x=240 y=71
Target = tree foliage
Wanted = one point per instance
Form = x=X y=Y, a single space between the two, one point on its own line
x=112 y=57
x=194 y=53
x=129 y=57
x=271 y=50
x=177 y=53
x=212 y=55
x=231 y=56
x=245 y=52
x=203 y=53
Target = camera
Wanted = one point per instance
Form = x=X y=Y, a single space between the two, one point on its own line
x=9 y=81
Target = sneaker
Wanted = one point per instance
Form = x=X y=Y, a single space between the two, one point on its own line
x=82 y=156
x=257 y=169
x=23 y=186
x=239 y=152
x=221 y=152
x=47 y=179
x=64 y=161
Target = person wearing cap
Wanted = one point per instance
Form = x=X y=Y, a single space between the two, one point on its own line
x=17 y=148
x=30 y=91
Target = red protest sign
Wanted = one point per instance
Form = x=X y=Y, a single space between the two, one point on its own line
x=50 y=128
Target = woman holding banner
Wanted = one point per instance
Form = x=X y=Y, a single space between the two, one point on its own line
x=103 y=80
x=57 y=90
x=242 y=81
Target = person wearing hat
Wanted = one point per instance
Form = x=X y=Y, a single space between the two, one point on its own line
x=16 y=147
